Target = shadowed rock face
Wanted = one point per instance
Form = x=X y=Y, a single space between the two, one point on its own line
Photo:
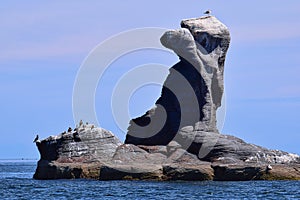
x=177 y=114
x=194 y=87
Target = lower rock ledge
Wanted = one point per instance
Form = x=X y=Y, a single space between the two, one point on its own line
x=166 y=172
x=131 y=172
x=188 y=173
x=54 y=170
x=256 y=172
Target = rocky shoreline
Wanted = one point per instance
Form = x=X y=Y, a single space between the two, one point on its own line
x=177 y=139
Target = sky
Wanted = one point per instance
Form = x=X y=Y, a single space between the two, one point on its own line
x=43 y=45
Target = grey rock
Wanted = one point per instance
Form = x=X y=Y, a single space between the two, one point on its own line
x=131 y=172
x=97 y=145
x=100 y=155
x=131 y=154
x=215 y=147
x=193 y=90
x=188 y=172
x=248 y=172
x=178 y=138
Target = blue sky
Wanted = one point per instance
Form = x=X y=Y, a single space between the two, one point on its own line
x=44 y=44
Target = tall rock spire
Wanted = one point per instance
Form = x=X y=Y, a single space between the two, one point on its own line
x=194 y=87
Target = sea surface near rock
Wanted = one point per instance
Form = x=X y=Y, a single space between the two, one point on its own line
x=178 y=138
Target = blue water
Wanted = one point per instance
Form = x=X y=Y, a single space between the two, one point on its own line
x=16 y=183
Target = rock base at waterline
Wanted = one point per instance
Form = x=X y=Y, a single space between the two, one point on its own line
x=100 y=155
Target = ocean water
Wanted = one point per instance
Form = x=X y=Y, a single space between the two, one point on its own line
x=16 y=183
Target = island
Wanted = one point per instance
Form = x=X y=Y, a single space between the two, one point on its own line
x=177 y=139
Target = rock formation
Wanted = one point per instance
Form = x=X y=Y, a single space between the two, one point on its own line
x=178 y=139
x=100 y=155
x=193 y=90
x=82 y=146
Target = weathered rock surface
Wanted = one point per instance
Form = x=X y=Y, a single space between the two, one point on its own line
x=215 y=147
x=178 y=139
x=193 y=90
x=87 y=146
x=100 y=155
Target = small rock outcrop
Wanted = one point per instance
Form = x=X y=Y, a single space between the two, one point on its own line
x=178 y=138
x=83 y=146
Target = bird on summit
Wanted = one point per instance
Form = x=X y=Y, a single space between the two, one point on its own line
x=69 y=129
x=80 y=123
x=208 y=12
x=36 y=139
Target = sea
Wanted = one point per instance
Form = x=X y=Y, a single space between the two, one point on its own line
x=16 y=182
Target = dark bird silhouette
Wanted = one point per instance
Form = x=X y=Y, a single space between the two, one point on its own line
x=69 y=129
x=208 y=12
x=76 y=137
x=36 y=139
x=81 y=123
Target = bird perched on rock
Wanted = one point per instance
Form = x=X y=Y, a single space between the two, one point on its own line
x=80 y=123
x=76 y=137
x=69 y=129
x=269 y=167
x=36 y=139
x=208 y=12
